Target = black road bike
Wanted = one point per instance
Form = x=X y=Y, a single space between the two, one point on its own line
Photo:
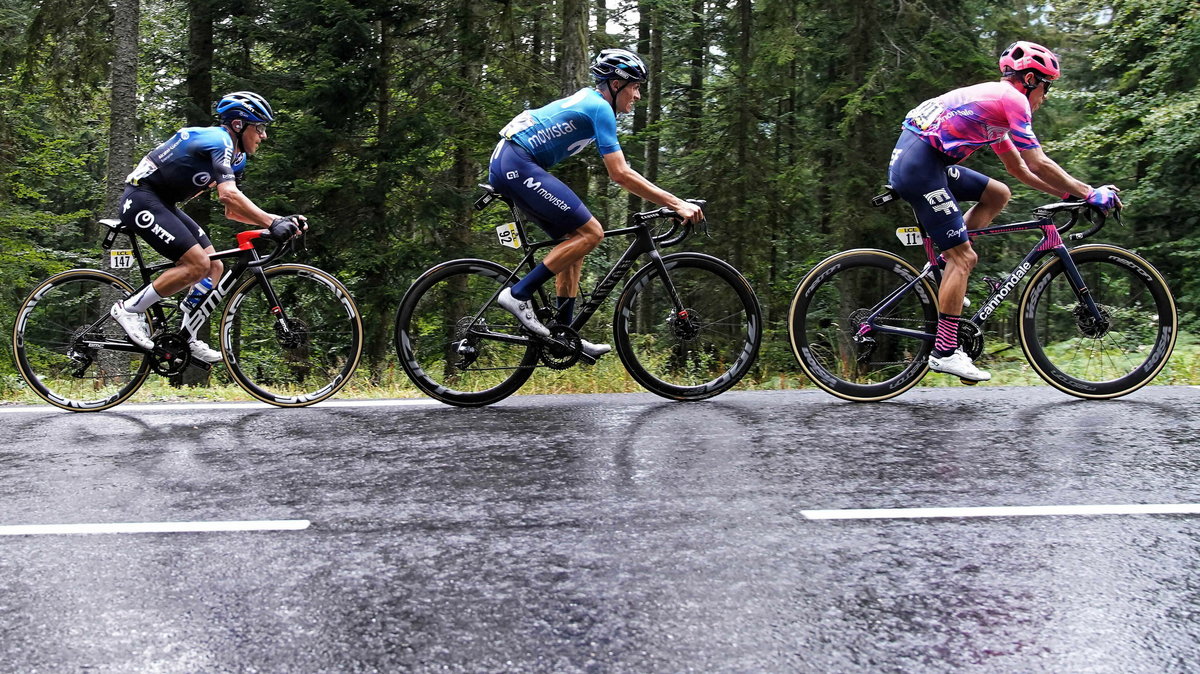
x=1094 y=321
x=291 y=334
x=687 y=326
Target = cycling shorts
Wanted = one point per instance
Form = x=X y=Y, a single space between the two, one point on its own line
x=167 y=229
x=549 y=202
x=933 y=184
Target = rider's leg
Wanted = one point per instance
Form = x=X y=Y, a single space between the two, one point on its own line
x=566 y=258
x=993 y=200
x=960 y=260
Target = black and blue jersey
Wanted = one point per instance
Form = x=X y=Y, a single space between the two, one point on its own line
x=189 y=162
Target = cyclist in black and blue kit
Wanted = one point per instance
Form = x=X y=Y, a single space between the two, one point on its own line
x=191 y=161
x=536 y=140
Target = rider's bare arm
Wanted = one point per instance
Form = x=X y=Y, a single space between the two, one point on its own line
x=632 y=181
x=239 y=207
x=1051 y=174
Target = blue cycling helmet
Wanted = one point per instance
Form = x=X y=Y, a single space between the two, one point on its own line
x=245 y=105
x=619 y=64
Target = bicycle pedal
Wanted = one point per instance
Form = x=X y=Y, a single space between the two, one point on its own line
x=968 y=382
x=196 y=362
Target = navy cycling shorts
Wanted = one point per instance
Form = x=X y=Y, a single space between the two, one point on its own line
x=549 y=202
x=933 y=185
x=167 y=229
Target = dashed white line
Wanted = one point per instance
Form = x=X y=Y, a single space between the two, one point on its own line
x=1004 y=511
x=152 y=527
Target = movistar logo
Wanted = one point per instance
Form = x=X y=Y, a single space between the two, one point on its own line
x=549 y=133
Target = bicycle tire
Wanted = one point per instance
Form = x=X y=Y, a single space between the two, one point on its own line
x=437 y=312
x=826 y=312
x=308 y=361
x=1090 y=361
x=702 y=354
x=62 y=310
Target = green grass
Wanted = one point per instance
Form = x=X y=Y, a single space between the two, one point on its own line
x=1006 y=363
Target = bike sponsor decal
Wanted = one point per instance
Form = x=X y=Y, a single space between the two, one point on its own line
x=1126 y=262
x=508 y=235
x=812 y=287
x=1031 y=308
x=1160 y=350
x=998 y=297
x=910 y=236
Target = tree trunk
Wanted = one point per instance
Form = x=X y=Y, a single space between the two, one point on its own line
x=654 y=102
x=695 y=91
x=639 y=112
x=123 y=101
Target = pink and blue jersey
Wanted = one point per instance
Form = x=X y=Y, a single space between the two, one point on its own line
x=961 y=121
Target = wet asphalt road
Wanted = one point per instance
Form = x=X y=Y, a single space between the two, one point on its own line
x=607 y=533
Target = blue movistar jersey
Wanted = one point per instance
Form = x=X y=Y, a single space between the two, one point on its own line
x=565 y=127
x=190 y=162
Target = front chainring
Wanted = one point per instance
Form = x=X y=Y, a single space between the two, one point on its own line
x=561 y=350
x=170 y=355
x=970 y=338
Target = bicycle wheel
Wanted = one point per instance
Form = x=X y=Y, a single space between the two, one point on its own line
x=59 y=337
x=695 y=353
x=830 y=305
x=446 y=352
x=1105 y=359
x=298 y=351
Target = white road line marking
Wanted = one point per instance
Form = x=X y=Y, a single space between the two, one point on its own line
x=1004 y=511
x=153 y=527
x=174 y=407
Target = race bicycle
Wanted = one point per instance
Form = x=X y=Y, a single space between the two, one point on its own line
x=290 y=334
x=1094 y=321
x=687 y=326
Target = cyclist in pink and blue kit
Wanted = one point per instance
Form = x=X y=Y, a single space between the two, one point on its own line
x=536 y=140
x=924 y=171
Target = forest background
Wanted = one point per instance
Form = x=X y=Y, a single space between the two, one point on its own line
x=781 y=113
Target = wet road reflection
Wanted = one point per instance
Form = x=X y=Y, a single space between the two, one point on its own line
x=609 y=533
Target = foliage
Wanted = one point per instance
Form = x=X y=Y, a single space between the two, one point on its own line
x=781 y=113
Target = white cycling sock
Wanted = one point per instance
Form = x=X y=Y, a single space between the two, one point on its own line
x=142 y=300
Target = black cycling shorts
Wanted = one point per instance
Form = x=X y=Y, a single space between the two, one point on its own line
x=167 y=229
x=933 y=184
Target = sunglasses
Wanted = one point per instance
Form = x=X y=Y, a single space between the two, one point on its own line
x=261 y=129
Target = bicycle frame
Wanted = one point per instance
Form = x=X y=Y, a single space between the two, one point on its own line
x=1051 y=243
x=643 y=244
x=248 y=258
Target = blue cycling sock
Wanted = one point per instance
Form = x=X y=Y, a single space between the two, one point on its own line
x=525 y=288
x=566 y=309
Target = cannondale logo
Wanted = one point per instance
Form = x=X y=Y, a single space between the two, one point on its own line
x=953 y=172
x=144 y=219
x=201 y=179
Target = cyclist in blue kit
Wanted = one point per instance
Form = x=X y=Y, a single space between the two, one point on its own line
x=191 y=161
x=535 y=141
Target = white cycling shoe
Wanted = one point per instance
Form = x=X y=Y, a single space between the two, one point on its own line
x=523 y=310
x=594 y=350
x=133 y=324
x=204 y=352
x=959 y=365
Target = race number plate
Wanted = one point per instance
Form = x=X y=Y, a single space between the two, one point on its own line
x=910 y=236
x=507 y=233
x=120 y=259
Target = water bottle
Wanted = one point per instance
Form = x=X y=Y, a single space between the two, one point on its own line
x=198 y=292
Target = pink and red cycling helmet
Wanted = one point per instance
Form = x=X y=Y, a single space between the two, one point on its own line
x=1022 y=55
